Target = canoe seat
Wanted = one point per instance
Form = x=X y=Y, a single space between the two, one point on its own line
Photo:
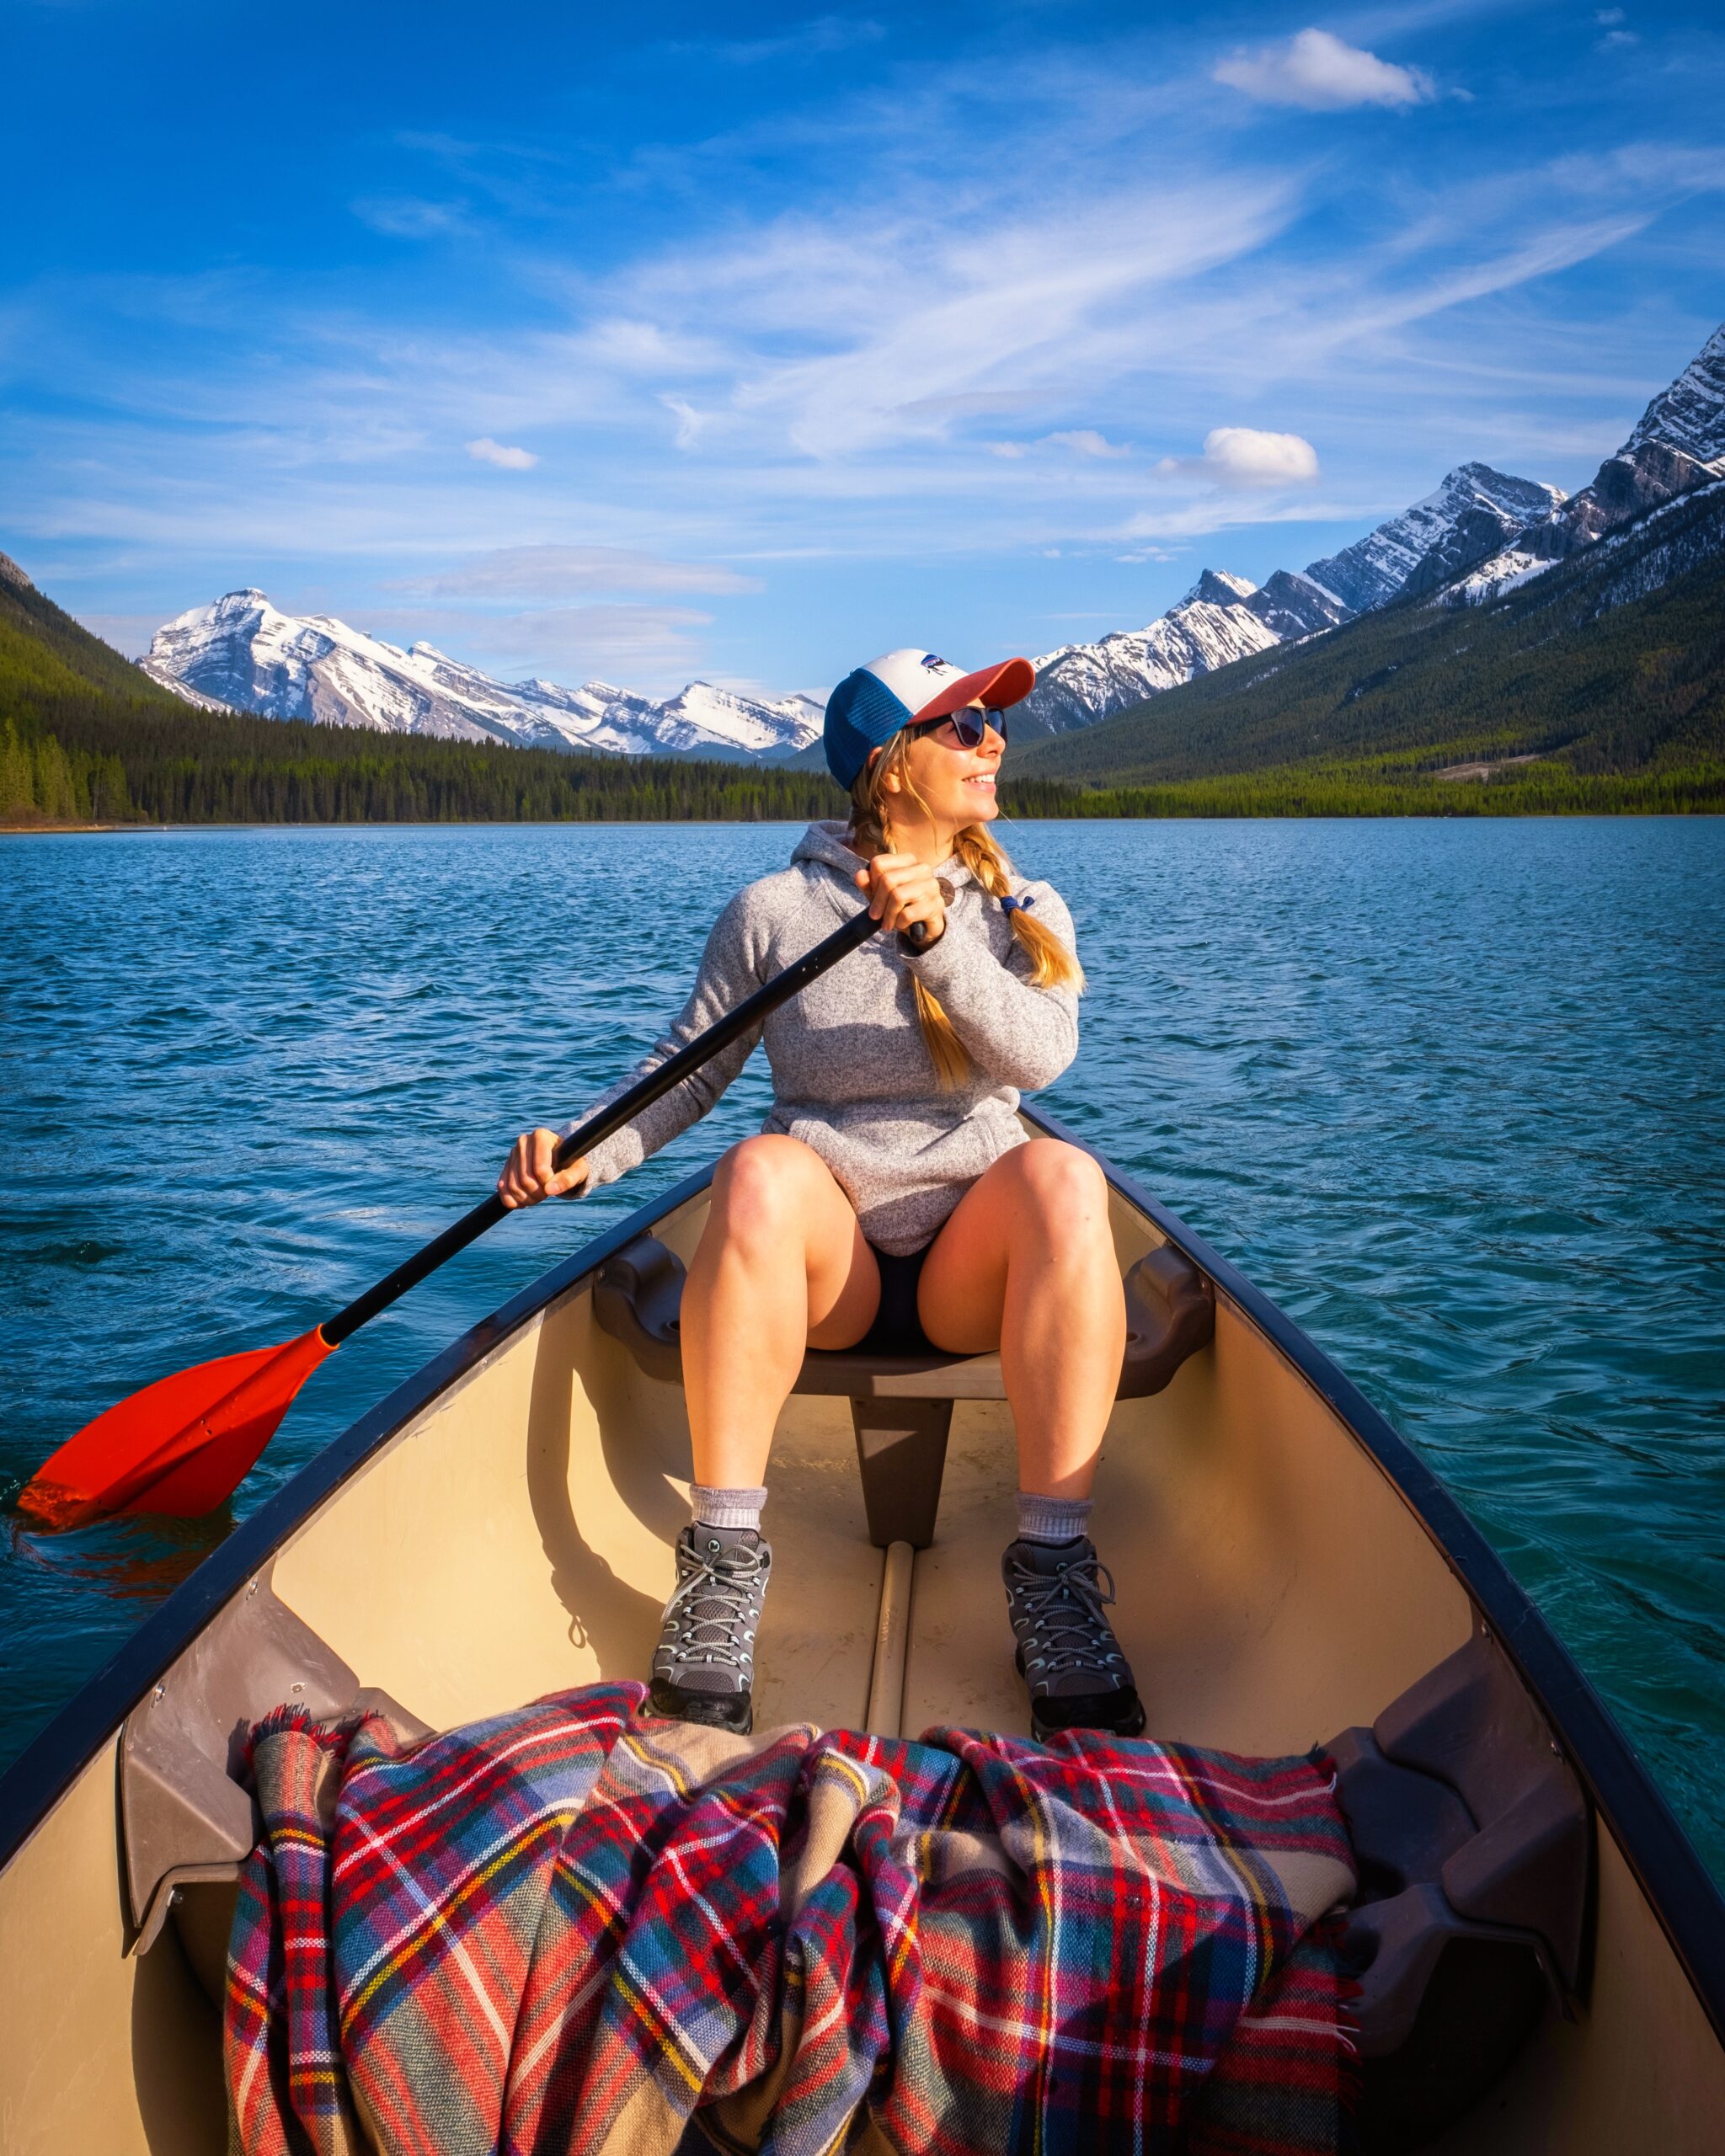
x=901 y=1405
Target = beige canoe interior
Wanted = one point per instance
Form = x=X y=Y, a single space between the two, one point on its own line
x=516 y=1537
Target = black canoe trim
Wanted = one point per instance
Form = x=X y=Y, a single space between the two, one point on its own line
x=1671 y=1875
x=1677 y=1885
x=43 y=1772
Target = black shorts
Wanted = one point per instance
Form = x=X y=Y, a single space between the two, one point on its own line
x=897 y=1330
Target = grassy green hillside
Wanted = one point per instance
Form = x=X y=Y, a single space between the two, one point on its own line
x=1612 y=705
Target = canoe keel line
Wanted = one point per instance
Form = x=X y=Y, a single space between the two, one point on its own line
x=1543 y=1951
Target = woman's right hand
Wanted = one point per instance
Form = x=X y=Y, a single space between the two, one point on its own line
x=528 y=1176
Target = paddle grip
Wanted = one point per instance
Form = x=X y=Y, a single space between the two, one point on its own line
x=612 y=1119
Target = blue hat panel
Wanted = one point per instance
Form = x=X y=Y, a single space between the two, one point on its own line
x=862 y=713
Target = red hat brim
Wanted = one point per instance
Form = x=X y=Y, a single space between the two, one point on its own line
x=996 y=686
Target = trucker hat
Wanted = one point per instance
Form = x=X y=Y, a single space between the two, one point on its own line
x=892 y=691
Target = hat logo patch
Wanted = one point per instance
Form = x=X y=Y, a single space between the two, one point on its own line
x=933 y=664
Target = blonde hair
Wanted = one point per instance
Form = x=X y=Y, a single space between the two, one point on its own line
x=1052 y=964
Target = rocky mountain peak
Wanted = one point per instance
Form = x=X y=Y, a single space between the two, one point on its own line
x=1218 y=588
x=241 y=651
x=1690 y=415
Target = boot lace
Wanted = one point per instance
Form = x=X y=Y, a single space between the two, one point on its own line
x=710 y=1617
x=1063 y=1612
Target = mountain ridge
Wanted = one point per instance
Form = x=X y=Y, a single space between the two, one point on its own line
x=1612 y=662
x=241 y=652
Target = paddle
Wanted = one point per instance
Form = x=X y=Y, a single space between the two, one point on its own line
x=184 y=1444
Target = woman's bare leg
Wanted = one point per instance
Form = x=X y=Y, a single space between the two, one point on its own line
x=781 y=1266
x=1025 y=1263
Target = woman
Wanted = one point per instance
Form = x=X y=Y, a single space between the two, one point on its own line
x=893 y=1196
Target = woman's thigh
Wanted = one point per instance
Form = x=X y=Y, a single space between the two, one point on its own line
x=776 y=1197
x=1036 y=1191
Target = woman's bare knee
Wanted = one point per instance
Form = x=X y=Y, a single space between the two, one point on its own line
x=1060 y=1186
x=765 y=1186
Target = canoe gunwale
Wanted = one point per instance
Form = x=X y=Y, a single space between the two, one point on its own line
x=1680 y=1891
x=1677 y=1885
x=51 y=1762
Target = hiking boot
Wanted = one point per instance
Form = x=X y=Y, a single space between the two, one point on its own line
x=704 y=1664
x=1067 y=1652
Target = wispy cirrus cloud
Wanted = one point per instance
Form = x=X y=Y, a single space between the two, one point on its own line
x=409 y=216
x=568 y=642
x=553 y=572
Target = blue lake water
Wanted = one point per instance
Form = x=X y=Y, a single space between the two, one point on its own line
x=1449 y=1093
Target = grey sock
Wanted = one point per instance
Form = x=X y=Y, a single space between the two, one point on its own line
x=736 y=1508
x=1052 y=1519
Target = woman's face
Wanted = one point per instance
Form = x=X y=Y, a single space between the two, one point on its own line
x=957 y=784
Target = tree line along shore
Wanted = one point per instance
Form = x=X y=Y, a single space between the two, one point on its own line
x=152 y=766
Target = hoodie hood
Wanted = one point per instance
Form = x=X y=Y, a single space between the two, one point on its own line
x=825 y=844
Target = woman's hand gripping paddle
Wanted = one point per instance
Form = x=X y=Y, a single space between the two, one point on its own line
x=184 y=1444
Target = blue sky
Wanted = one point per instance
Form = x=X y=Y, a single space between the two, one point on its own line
x=745 y=343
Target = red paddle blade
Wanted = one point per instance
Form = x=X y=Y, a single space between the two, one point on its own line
x=180 y=1446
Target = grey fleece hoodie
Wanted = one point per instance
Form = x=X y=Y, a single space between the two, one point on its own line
x=850 y=1075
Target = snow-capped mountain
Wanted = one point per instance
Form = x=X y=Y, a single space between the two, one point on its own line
x=1676 y=446
x=1082 y=682
x=1223 y=617
x=1473 y=511
x=243 y=653
x=1690 y=415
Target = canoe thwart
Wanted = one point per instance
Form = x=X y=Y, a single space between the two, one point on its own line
x=901 y=1451
x=187 y=1823
x=1474 y=1844
x=1170 y=1315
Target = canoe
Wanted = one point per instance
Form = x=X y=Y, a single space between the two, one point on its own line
x=1547 y=1953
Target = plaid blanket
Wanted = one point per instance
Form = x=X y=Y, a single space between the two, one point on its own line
x=573 y=1928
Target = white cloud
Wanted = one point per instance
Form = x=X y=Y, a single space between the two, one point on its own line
x=560 y=572
x=1086 y=441
x=1248 y=457
x=486 y=452
x=1615 y=41
x=1607 y=18
x=1317 y=70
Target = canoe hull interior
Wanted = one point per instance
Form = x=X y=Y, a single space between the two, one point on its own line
x=513 y=1534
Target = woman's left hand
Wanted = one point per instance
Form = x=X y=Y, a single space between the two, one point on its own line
x=903 y=889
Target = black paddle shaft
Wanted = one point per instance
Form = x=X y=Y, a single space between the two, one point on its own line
x=624 y=1109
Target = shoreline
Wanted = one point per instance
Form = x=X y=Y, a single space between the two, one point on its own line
x=680 y=822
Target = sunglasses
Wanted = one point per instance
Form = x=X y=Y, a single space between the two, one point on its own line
x=969 y=726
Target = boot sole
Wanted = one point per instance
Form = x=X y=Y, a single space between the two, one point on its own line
x=1130 y=1724
x=731 y=1710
